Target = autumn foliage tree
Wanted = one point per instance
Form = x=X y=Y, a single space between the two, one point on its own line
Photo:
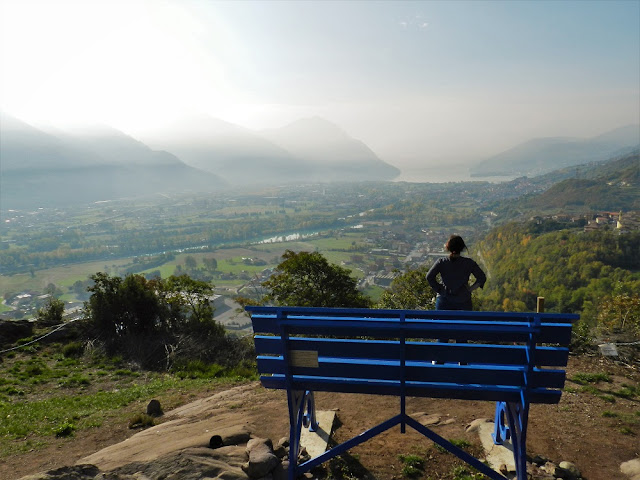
x=621 y=312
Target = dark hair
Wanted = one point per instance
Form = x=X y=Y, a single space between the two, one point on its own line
x=455 y=244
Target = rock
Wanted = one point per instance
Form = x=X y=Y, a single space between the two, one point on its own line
x=281 y=471
x=539 y=460
x=475 y=425
x=427 y=420
x=631 y=469
x=565 y=470
x=256 y=442
x=282 y=448
x=75 y=472
x=303 y=456
x=235 y=436
x=189 y=464
x=571 y=469
x=262 y=460
x=154 y=409
x=549 y=467
x=281 y=452
x=216 y=442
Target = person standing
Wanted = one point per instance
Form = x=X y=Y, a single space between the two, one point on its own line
x=453 y=289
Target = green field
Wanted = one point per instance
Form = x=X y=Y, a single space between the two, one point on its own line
x=64 y=276
x=4 y=308
x=231 y=261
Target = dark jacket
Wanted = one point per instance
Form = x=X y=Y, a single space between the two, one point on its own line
x=455 y=273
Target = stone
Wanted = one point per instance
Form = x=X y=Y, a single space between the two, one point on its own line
x=280 y=472
x=303 y=456
x=571 y=469
x=428 y=420
x=608 y=349
x=235 y=436
x=565 y=470
x=475 y=425
x=539 y=460
x=262 y=460
x=75 y=472
x=549 y=467
x=154 y=409
x=216 y=442
x=281 y=451
x=631 y=469
x=188 y=464
x=257 y=441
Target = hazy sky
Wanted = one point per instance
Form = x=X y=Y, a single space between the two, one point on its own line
x=419 y=82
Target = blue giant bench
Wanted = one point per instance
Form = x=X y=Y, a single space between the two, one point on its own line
x=395 y=352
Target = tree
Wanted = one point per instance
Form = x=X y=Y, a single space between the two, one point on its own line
x=409 y=291
x=120 y=306
x=211 y=264
x=190 y=263
x=308 y=280
x=621 y=311
x=135 y=305
x=191 y=302
x=153 y=322
x=51 y=313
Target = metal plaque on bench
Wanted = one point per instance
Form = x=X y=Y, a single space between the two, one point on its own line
x=303 y=358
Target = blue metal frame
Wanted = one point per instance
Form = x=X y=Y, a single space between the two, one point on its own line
x=511 y=414
x=402 y=419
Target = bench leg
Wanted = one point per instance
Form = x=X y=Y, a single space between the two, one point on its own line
x=501 y=431
x=515 y=428
x=302 y=412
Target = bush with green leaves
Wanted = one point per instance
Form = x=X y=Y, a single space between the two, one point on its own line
x=157 y=322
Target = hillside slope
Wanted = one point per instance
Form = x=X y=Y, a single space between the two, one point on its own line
x=311 y=150
x=39 y=168
x=542 y=155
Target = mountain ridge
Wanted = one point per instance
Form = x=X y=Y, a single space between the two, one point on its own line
x=311 y=149
x=541 y=155
x=42 y=168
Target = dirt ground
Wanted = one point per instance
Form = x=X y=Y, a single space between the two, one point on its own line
x=591 y=426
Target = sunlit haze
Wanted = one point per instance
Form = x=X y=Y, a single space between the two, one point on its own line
x=421 y=83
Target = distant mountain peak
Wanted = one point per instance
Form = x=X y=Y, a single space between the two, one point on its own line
x=310 y=128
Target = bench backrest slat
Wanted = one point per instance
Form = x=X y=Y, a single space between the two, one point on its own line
x=505 y=331
x=417 y=372
x=316 y=312
x=390 y=349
